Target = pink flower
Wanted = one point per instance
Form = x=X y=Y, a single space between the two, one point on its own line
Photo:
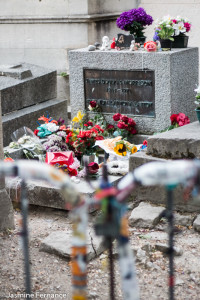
x=122 y=125
x=187 y=26
x=174 y=21
x=182 y=119
x=93 y=168
x=116 y=117
x=150 y=46
x=145 y=143
x=124 y=118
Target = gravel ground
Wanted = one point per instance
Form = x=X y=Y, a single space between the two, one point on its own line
x=51 y=274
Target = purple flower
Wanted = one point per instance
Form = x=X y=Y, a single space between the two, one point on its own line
x=156 y=37
x=60 y=121
x=134 y=18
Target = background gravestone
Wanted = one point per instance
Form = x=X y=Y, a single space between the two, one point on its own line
x=6 y=209
x=28 y=92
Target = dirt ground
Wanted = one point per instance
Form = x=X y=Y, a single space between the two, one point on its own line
x=51 y=274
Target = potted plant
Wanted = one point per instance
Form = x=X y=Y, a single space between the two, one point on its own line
x=164 y=31
x=135 y=21
x=197 y=102
x=181 y=27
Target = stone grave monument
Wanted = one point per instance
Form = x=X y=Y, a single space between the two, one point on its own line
x=27 y=92
x=146 y=86
x=6 y=209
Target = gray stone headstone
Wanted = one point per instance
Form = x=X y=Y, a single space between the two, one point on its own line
x=174 y=93
x=24 y=85
x=6 y=208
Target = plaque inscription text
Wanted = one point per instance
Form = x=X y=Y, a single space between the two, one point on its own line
x=126 y=92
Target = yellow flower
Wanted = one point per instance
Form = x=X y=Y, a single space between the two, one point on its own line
x=120 y=149
x=78 y=117
x=133 y=149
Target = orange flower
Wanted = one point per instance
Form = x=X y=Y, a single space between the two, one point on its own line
x=7 y=159
x=47 y=120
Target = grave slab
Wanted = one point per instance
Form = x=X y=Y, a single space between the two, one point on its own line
x=181 y=142
x=157 y=194
x=163 y=75
x=43 y=194
x=145 y=215
x=24 y=85
x=59 y=243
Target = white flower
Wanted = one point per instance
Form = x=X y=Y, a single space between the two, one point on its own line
x=52 y=127
x=90 y=107
x=179 y=28
x=197 y=90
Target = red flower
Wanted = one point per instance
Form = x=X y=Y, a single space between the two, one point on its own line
x=93 y=168
x=99 y=138
x=122 y=125
x=99 y=128
x=36 y=131
x=72 y=172
x=110 y=127
x=89 y=123
x=145 y=143
x=124 y=118
x=93 y=104
x=86 y=124
x=116 y=117
x=68 y=137
x=133 y=131
x=131 y=122
x=173 y=119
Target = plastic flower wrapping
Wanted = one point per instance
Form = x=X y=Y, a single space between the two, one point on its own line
x=25 y=138
x=118 y=147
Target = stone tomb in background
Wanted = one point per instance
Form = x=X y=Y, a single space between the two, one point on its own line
x=27 y=92
x=146 y=86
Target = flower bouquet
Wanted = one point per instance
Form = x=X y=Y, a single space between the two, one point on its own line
x=25 y=138
x=118 y=147
x=49 y=127
x=125 y=126
x=134 y=21
x=173 y=29
x=82 y=142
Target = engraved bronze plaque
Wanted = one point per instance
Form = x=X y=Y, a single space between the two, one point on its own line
x=126 y=92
